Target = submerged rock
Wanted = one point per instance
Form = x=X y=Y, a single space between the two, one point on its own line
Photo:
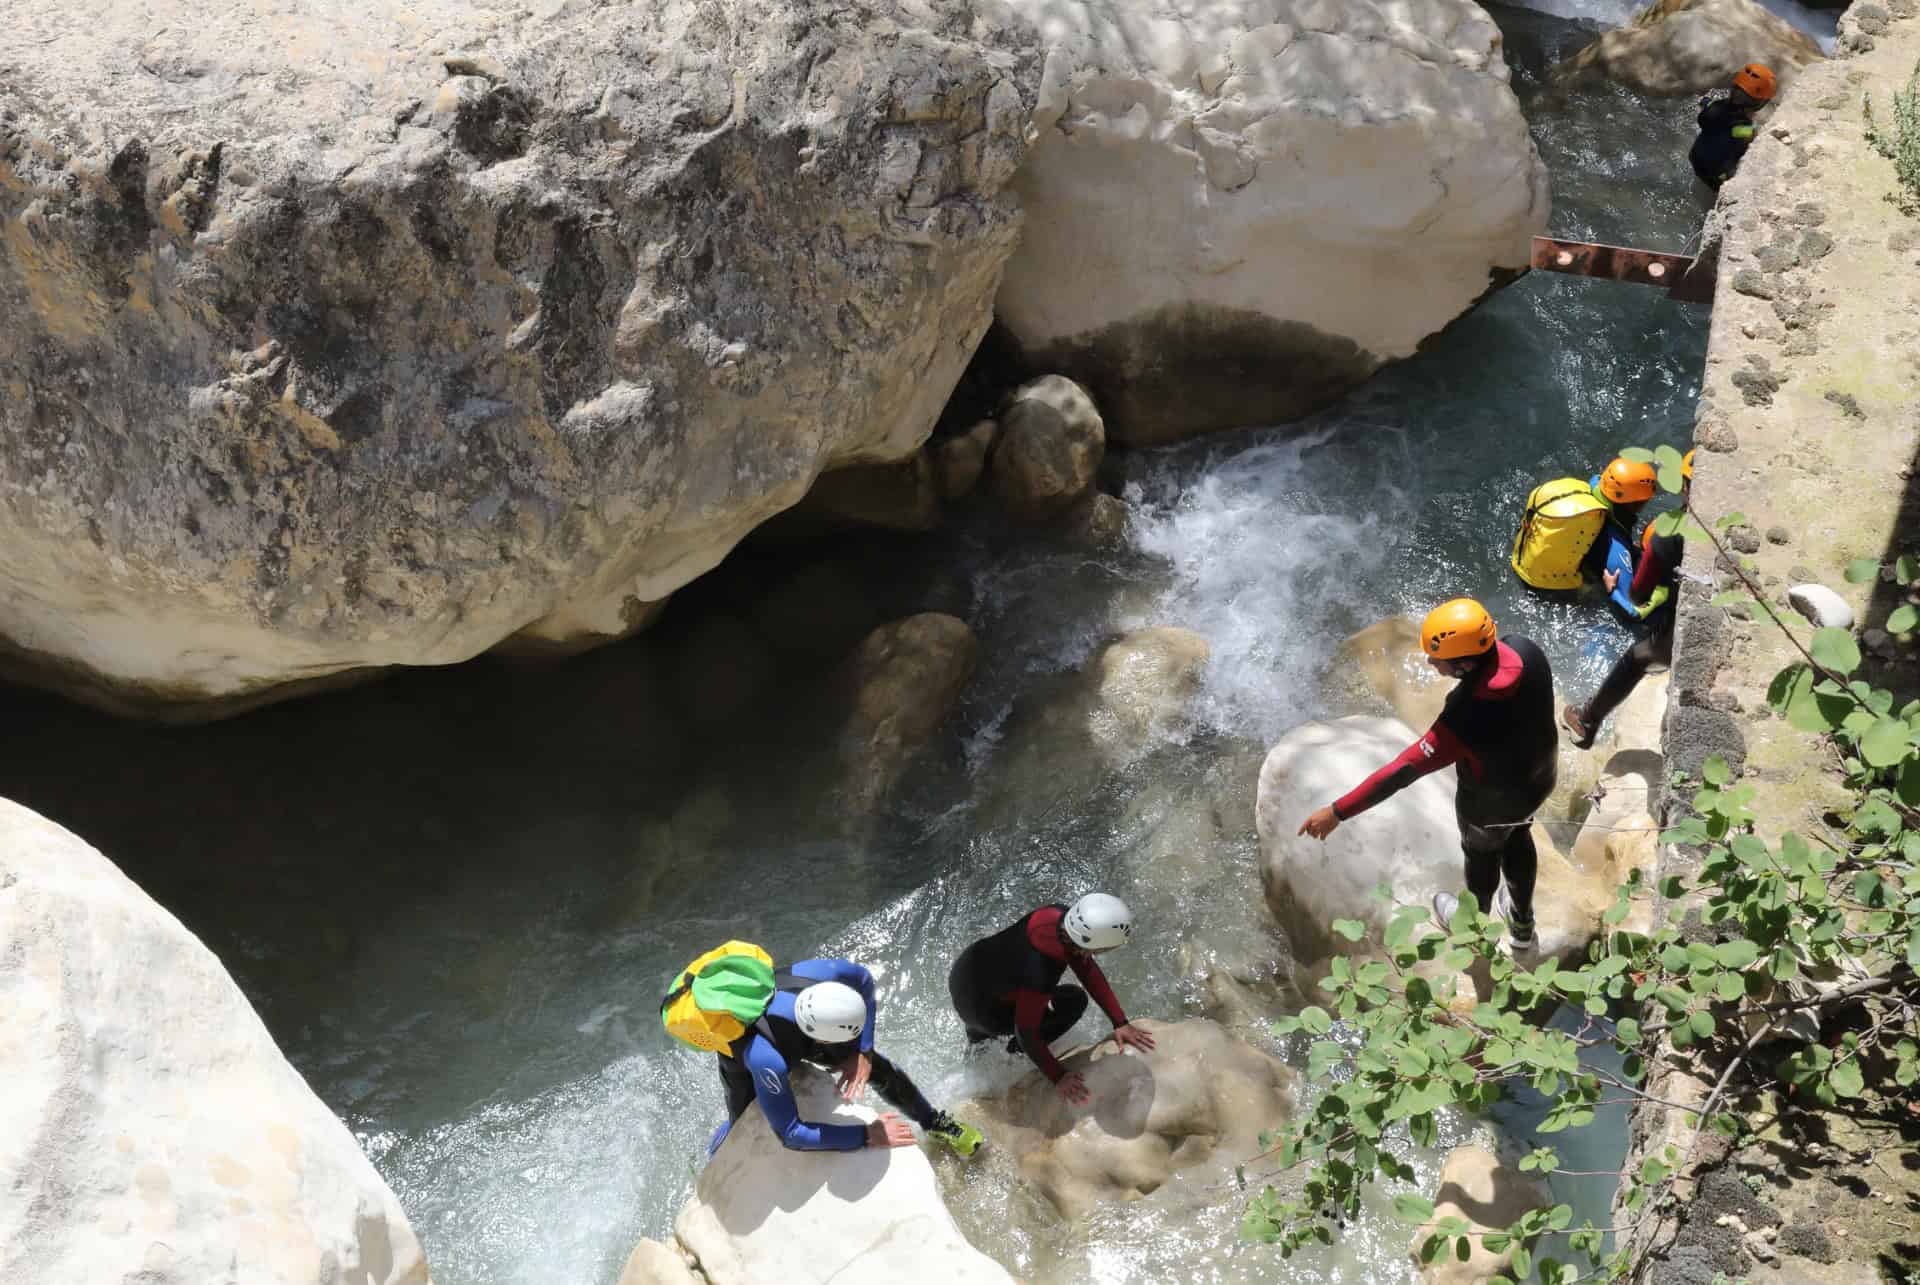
x=1410 y=843
x=1676 y=47
x=1170 y=1124
x=152 y=1131
x=1476 y=1186
x=1148 y=680
x=1236 y=212
x=904 y=678
x=764 y=1215
x=473 y=327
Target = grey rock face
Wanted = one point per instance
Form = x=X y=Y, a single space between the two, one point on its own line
x=344 y=342
x=1052 y=440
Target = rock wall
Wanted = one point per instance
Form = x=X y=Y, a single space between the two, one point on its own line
x=1809 y=425
x=1237 y=212
x=150 y=1130
x=339 y=341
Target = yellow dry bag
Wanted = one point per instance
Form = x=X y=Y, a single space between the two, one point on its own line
x=718 y=997
x=1563 y=519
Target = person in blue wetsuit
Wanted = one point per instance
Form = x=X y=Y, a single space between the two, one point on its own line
x=823 y=1013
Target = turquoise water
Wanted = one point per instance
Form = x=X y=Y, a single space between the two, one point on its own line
x=454 y=895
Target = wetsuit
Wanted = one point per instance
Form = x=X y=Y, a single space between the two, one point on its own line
x=777 y=1044
x=1009 y=984
x=1656 y=583
x=1498 y=726
x=1726 y=130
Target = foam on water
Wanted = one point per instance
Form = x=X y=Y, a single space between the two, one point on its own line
x=1821 y=24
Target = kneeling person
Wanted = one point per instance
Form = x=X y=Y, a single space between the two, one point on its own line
x=1009 y=984
x=822 y=1013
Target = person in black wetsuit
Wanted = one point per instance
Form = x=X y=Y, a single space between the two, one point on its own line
x=1726 y=124
x=1498 y=726
x=1009 y=984
x=1656 y=583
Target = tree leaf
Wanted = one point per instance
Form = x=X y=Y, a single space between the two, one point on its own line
x=1415 y=1209
x=1885 y=743
x=1847 y=1080
x=1736 y=954
x=1638 y=454
x=1351 y=929
x=1909 y=787
x=1836 y=650
x=1861 y=570
x=1714 y=771
x=1903 y=618
x=1316 y=1020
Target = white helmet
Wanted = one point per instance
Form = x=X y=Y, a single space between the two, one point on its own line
x=1098 y=922
x=830 y=1012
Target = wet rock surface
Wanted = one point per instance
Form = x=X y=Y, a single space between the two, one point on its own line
x=480 y=327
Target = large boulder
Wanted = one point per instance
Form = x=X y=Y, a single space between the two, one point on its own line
x=1170 y=1124
x=1675 y=47
x=1491 y=1196
x=1237 y=211
x=346 y=339
x=1410 y=843
x=150 y=1130
x=764 y=1215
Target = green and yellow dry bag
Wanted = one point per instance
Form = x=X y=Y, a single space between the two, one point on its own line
x=718 y=997
x=1563 y=519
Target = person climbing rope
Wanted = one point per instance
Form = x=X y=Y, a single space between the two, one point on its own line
x=822 y=1013
x=1726 y=124
x=1575 y=534
x=1009 y=984
x=1656 y=584
x=1497 y=725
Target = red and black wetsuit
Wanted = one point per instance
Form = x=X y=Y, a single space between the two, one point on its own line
x=1656 y=586
x=1498 y=727
x=1009 y=984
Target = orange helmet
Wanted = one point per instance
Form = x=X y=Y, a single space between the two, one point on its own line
x=1456 y=630
x=1686 y=466
x=1756 y=81
x=1629 y=481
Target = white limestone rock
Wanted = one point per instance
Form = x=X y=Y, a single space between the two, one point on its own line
x=1410 y=843
x=764 y=1215
x=1821 y=605
x=1236 y=211
x=1491 y=1196
x=903 y=680
x=150 y=1130
x=342 y=337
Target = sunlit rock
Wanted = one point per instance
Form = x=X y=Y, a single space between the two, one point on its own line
x=150 y=1130
x=1384 y=662
x=1170 y=1124
x=1235 y=212
x=1050 y=446
x=350 y=337
x=1677 y=47
x=1491 y=1196
x=904 y=678
x=1410 y=844
x=764 y=1215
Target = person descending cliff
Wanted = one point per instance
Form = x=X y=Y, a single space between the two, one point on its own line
x=823 y=1013
x=1009 y=984
x=1498 y=726
x=1575 y=534
x=1726 y=124
x=1656 y=583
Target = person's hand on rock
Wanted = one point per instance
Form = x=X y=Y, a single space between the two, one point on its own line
x=1073 y=1087
x=852 y=1075
x=1320 y=824
x=889 y=1131
x=1131 y=1036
